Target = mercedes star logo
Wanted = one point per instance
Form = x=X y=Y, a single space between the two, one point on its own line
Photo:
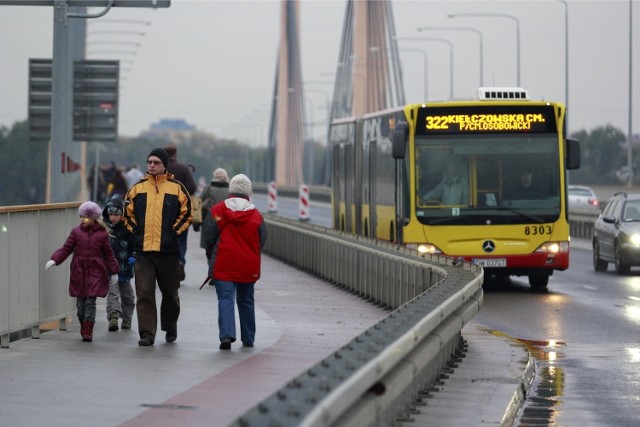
x=488 y=246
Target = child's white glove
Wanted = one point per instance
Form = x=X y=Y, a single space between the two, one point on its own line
x=114 y=280
x=49 y=264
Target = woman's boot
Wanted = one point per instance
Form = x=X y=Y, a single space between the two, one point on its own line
x=87 y=330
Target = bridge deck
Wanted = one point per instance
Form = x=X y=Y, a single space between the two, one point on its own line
x=59 y=380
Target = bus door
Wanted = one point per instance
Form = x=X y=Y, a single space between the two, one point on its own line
x=348 y=174
x=373 y=217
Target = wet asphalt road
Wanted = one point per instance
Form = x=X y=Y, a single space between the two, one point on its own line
x=584 y=333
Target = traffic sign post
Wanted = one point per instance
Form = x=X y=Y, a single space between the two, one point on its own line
x=58 y=186
x=95 y=100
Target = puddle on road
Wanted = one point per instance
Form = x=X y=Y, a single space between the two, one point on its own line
x=544 y=400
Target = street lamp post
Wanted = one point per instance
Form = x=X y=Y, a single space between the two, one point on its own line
x=121 y=21
x=630 y=92
x=111 y=52
x=113 y=43
x=498 y=15
x=425 y=59
x=116 y=32
x=432 y=39
x=479 y=40
x=326 y=99
x=566 y=60
x=426 y=62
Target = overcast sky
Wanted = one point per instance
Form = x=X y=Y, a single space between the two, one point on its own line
x=212 y=62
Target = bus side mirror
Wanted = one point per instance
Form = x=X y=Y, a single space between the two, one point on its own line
x=400 y=134
x=573 y=154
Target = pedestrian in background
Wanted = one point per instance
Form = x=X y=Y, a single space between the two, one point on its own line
x=157 y=211
x=121 y=301
x=117 y=185
x=184 y=174
x=214 y=193
x=133 y=175
x=236 y=235
x=92 y=264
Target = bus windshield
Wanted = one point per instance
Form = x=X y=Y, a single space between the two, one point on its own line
x=487 y=179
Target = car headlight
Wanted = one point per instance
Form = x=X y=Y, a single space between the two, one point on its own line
x=634 y=239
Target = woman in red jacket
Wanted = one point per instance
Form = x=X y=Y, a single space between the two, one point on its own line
x=234 y=237
x=92 y=264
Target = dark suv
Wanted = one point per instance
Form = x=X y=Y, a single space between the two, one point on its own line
x=616 y=234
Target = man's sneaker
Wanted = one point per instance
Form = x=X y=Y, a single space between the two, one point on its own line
x=171 y=336
x=182 y=273
x=145 y=341
x=225 y=344
x=247 y=344
x=126 y=324
x=113 y=322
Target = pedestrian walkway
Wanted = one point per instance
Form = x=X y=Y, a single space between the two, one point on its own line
x=58 y=380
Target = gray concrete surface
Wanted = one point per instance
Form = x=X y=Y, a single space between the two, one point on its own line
x=58 y=380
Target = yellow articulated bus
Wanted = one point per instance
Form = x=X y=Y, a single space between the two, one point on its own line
x=482 y=179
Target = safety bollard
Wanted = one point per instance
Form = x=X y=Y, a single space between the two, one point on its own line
x=272 y=197
x=304 y=202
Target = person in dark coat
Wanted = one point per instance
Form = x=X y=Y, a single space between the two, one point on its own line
x=216 y=192
x=117 y=185
x=92 y=264
x=121 y=300
x=237 y=234
x=184 y=174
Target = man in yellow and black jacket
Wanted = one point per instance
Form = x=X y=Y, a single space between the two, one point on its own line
x=158 y=210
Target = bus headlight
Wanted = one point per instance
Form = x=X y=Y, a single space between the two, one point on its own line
x=424 y=248
x=554 y=247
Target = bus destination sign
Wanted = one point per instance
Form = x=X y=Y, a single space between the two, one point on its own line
x=486 y=119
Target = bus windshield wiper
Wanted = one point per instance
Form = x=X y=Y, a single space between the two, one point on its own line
x=516 y=211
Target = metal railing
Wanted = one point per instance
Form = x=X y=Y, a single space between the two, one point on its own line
x=374 y=378
x=30 y=298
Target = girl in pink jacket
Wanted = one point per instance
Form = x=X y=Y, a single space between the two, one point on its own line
x=93 y=265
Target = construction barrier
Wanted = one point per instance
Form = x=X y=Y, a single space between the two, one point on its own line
x=304 y=202
x=272 y=197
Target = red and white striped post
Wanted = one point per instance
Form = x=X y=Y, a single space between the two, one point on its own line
x=272 y=197
x=304 y=202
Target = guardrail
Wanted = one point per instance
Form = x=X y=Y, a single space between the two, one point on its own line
x=581 y=222
x=375 y=377
x=580 y=219
x=28 y=297
x=318 y=193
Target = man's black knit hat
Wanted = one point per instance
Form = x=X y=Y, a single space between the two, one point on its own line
x=161 y=154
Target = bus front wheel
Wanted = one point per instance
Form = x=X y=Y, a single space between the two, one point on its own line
x=539 y=281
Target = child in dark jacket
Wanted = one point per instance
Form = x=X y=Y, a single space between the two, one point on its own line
x=92 y=264
x=121 y=299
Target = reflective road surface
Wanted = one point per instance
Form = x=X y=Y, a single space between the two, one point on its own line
x=584 y=334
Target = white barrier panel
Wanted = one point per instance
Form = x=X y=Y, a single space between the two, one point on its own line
x=304 y=202
x=29 y=297
x=272 y=197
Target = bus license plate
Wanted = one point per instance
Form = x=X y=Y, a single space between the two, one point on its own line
x=490 y=262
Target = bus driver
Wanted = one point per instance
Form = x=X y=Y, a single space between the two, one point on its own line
x=453 y=189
